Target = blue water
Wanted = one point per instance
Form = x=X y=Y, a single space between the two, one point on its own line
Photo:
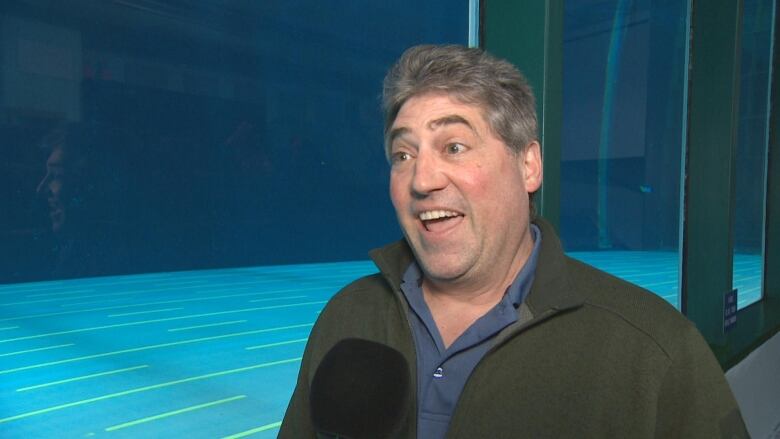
x=193 y=354
x=659 y=272
x=189 y=354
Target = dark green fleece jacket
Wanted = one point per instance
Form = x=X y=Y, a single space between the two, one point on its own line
x=591 y=356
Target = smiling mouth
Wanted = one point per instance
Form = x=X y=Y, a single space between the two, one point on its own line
x=438 y=220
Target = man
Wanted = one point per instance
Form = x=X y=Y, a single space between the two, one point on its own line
x=505 y=336
x=78 y=193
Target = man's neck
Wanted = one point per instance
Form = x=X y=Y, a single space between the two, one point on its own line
x=478 y=290
x=455 y=306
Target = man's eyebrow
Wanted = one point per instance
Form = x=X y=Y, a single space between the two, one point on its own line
x=396 y=133
x=451 y=119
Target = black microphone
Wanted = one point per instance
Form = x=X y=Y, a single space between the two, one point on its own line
x=360 y=391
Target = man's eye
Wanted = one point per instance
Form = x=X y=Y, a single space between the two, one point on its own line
x=455 y=148
x=398 y=157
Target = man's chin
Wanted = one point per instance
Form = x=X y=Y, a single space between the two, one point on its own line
x=443 y=273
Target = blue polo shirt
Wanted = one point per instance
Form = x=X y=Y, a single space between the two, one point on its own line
x=442 y=373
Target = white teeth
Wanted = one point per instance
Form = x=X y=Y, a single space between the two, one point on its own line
x=436 y=214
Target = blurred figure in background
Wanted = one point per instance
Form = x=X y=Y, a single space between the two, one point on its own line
x=79 y=190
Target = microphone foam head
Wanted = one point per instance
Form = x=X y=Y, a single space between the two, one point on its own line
x=360 y=390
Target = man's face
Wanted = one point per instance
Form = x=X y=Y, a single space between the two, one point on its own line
x=461 y=196
x=51 y=188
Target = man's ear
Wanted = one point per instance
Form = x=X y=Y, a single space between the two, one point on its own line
x=531 y=164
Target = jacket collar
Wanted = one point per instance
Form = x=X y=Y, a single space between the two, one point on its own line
x=552 y=289
x=551 y=292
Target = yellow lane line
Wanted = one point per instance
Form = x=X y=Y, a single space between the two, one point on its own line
x=104 y=308
x=173 y=413
x=65 y=293
x=281 y=343
x=206 y=326
x=59 y=299
x=36 y=350
x=276 y=298
x=168 y=319
x=144 y=389
x=33 y=290
x=141 y=292
x=254 y=430
x=144 y=312
x=294 y=304
x=149 y=347
x=84 y=377
x=163 y=302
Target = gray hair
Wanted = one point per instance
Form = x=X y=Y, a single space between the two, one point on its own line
x=470 y=76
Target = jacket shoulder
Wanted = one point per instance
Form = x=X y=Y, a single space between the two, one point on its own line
x=362 y=309
x=629 y=304
x=365 y=290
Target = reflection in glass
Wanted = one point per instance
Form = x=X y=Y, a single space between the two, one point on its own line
x=155 y=136
x=752 y=147
x=623 y=100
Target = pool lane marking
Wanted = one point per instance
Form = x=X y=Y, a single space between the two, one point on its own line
x=88 y=283
x=92 y=287
x=80 y=378
x=254 y=430
x=321 y=302
x=144 y=312
x=192 y=299
x=659 y=274
x=27 y=351
x=104 y=308
x=164 y=282
x=167 y=319
x=82 y=284
x=19 y=290
x=351 y=267
x=281 y=343
x=55 y=299
x=102 y=301
x=206 y=286
x=206 y=326
x=346 y=277
x=142 y=291
x=752 y=268
x=749 y=290
x=197 y=299
x=276 y=298
x=658 y=284
x=174 y=413
x=145 y=389
x=323 y=267
x=59 y=299
x=313 y=267
x=150 y=347
x=31 y=296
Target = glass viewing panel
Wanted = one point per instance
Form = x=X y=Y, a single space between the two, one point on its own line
x=752 y=148
x=231 y=153
x=624 y=89
x=190 y=134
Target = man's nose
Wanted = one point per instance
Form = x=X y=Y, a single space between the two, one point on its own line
x=428 y=174
x=43 y=186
